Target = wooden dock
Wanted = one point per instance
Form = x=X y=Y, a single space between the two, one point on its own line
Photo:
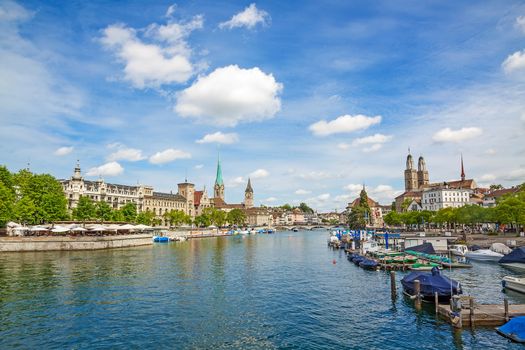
x=482 y=314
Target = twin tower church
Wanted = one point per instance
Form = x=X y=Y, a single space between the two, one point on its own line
x=145 y=198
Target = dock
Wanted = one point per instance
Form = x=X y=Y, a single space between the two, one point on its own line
x=483 y=314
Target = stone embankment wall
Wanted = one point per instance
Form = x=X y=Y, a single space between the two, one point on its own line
x=31 y=244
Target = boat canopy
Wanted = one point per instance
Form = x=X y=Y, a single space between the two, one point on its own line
x=431 y=283
x=516 y=256
x=426 y=248
x=514 y=329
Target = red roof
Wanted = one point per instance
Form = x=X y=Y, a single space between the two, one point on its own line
x=197 y=197
x=371 y=202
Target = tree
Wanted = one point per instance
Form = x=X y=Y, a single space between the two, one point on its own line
x=145 y=218
x=6 y=178
x=202 y=221
x=6 y=203
x=286 y=206
x=24 y=211
x=103 y=211
x=495 y=187
x=236 y=217
x=217 y=217
x=511 y=210
x=305 y=208
x=177 y=217
x=393 y=219
x=85 y=209
x=356 y=218
x=129 y=212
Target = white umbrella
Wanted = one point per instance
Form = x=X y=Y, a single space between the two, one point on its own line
x=78 y=229
x=143 y=227
x=114 y=227
x=60 y=229
x=38 y=228
x=98 y=228
x=127 y=227
x=13 y=224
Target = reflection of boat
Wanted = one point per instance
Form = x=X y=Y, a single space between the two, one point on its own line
x=458 y=249
x=514 y=283
x=515 y=260
x=483 y=255
x=431 y=283
x=514 y=329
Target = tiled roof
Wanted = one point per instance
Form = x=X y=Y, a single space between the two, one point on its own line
x=169 y=196
x=502 y=192
x=371 y=202
x=197 y=197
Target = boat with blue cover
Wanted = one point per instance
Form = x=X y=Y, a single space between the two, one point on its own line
x=515 y=259
x=160 y=239
x=514 y=329
x=369 y=264
x=431 y=283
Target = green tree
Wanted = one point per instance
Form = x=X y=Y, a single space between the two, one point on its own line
x=129 y=212
x=6 y=204
x=24 y=211
x=117 y=215
x=511 y=210
x=305 y=208
x=495 y=187
x=6 y=178
x=145 y=218
x=286 y=207
x=356 y=218
x=202 y=220
x=217 y=217
x=103 y=211
x=85 y=210
x=177 y=217
x=236 y=217
x=393 y=219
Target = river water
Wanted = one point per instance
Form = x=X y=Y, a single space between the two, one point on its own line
x=285 y=291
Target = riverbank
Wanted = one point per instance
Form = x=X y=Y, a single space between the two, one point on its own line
x=52 y=243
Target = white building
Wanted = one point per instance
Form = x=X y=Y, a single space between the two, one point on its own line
x=436 y=198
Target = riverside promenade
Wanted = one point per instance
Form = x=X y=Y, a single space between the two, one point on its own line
x=50 y=243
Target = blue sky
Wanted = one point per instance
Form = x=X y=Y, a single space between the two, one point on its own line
x=310 y=99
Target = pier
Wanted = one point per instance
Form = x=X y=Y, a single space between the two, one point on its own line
x=481 y=314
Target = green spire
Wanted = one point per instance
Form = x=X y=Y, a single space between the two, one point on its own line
x=218 y=179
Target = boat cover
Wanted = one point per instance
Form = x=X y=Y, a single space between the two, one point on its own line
x=514 y=329
x=500 y=248
x=474 y=247
x=430 y=283
x=516 y=256
x=426 y=248
x=368 y=263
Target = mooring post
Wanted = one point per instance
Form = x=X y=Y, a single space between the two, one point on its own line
x=506 y=305
x=457 y=320
x=417 y=290
x=436 y=302
x=393 y=284
x=471 y=306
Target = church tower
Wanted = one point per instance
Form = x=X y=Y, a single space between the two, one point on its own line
x=218 y=189
x=248 y=195
x=422 y=173
x=410 y=175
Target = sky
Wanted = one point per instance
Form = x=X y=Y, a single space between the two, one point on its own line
x=309 y=99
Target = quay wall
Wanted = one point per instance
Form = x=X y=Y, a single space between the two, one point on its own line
x=32 y=244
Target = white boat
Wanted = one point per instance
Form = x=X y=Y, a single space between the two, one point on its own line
x=483 y=255
x=458 y=249
x=514 y=283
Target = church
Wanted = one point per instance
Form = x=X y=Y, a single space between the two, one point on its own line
x=418 y=185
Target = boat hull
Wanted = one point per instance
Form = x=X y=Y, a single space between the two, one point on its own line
x=513 y=283
x=487 y=256
x=515 y=266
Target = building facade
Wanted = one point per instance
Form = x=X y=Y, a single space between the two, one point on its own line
x=441 y=197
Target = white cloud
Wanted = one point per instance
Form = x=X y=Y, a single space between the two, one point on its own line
x=62 y=151
x=449 y=135
x=343 y=124
x=230 y=95
x=259 y=173
x=323 y=197
x=516 y=175
x=376 y=138
x=249 y=18
x=124 y=153
x=523 y=117
x=168 y=155
x=164 y=59
x=219 y=137
x=302 y=192
x=520 y=23
x=199 y=166
x=317 y=175
x=343 y=146
x=373 y=148
x=490 y=151
x=353 y=188
x=171 y=10
x=235 y=182
x=270 y=200
x=108 y=169
x=488 y=177
x=342 y=198
x=514 y=62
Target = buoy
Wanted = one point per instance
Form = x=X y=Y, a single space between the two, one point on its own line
x=334 y=262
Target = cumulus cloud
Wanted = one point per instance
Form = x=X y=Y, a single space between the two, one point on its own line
x=161 y=56
x=124 y=153
x=373 y=148
x=449 y=135
x=168 y=155
x=219 y=137
x=199 y=166
x=343 y=146
x=235 y=182
x=516 y=175
x=520 y=23
x=376 y=138
x=171 y=10
x=515 y=62
x=343 y=124
x=270 y=200
x=342 y=198
x=62 y=151
x=323 y=197
x=108 y=169
x=353 y=188
x=302 y=192
x=259 y=173
x=488 y=177
x=249 y=18
x=230 y=95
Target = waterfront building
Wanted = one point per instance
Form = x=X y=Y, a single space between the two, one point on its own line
x=444 y=196
x=490 y=199
x=376 y=212
x=259 y=217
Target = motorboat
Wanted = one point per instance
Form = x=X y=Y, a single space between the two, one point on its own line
x=369 y=264
x=430 y=283
x=514 y=283
x=161 y=239
x=458 y=249
x=515 y=259
x=483 y=255
x=514 y=329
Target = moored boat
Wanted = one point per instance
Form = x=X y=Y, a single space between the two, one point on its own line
x=514 y=283
x=160 y=239
x=458 y=249
x=483 y=255
x=423 y=266
x=514 y=329
x=515 y=259
x=431 y=283
x=369 y=264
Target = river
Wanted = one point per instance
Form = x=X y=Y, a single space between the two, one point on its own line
x=280 y=291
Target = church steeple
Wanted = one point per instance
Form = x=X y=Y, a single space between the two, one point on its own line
x=218 y=189
x=462 y=169
x=77 y=175
x=248 y=195
x=422 y=173
x=410 y=174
